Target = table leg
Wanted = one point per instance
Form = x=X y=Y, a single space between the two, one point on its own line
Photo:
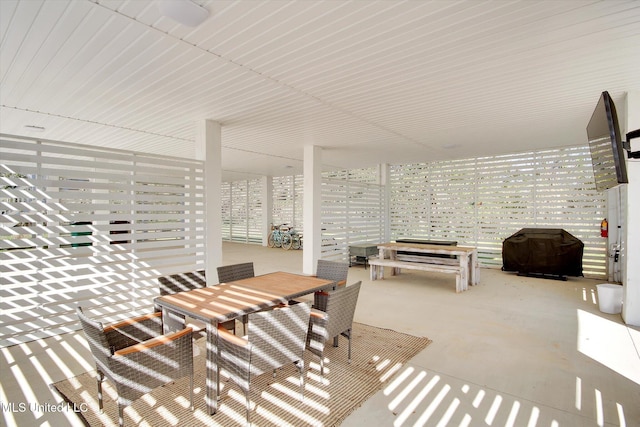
x=393 y=255
x=464 y=272
x=171 y=321
x=213 y=374
x=475 y=268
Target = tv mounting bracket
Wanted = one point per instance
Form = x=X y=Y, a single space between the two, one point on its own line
x=627 y=144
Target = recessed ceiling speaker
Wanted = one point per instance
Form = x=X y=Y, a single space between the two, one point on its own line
x=185 y=12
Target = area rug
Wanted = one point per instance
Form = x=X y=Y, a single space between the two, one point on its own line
x=377 y=354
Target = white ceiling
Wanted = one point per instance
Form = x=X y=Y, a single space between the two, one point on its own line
x=369 y=81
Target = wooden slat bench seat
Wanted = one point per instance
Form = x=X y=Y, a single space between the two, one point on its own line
x=378 y=265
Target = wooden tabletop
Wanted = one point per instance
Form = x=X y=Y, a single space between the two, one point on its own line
x=231 y=300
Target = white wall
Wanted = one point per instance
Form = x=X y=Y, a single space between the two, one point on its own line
x=631 y=274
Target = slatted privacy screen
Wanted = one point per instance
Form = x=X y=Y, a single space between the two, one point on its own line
x=93 y=227
x=480 y=202
x=242 y=211
x=97 y=227
x=288 y=201
x=242 y=207
x=352 y=211
x=225 y=206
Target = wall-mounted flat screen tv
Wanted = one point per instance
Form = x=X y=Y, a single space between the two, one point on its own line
x=605 y=144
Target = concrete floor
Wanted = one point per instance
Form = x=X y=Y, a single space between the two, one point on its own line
x=511 y=351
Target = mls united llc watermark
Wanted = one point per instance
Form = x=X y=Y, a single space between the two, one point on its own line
x=21 y=407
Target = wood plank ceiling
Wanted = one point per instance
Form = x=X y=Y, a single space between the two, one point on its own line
x=369 y=81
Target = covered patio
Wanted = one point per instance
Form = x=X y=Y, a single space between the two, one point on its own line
x=134 y=146
x=512 y=351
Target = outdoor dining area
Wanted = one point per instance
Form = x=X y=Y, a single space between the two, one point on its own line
x=420 y=354
x=274 y=327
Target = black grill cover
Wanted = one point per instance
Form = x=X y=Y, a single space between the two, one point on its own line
x=550 y=251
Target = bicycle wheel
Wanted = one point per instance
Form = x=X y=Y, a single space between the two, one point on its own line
x=296 y=242
x=287 y=241
x=270 y=240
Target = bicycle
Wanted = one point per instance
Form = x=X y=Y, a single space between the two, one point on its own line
x=279 y=235
x=292 y=240
x=285 y=237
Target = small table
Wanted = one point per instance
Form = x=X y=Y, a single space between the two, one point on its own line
x=231 y=300
x=361 y=253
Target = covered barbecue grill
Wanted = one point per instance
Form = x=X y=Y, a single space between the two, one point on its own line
x=542 y=252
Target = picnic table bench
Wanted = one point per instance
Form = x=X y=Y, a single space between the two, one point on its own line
x=464 y=265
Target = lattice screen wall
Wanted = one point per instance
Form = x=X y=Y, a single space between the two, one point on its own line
x=288 y=201
x=242 y=211
x=480 y=202
x=97 y=227
x=353 y=211
x=92 y=227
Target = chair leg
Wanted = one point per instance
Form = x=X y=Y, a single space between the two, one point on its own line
x=248 y=403
x=322 y=365
x=245 y=320
x=120 y=415
x=99 y=379
x=191 y=391
x=301 y=369
x=349 y=339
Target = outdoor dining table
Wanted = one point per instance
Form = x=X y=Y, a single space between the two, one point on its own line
x=226 y=301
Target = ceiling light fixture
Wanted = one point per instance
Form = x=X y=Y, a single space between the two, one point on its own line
x=185 y=12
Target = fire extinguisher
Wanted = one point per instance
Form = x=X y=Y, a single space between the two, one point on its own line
x=604 y=228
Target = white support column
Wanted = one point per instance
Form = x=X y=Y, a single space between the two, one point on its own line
x=208 y=148
x=312 y=186
x=631 y=238
x=267 y=207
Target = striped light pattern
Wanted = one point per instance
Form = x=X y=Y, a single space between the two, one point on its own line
x=98 y=227
x=94 y=227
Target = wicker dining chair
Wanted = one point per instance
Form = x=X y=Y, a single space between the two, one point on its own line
x=335 y=271
x=135 y=356
x=233 y=272
x=276 y=337
x=334 y=319
x=180 y=282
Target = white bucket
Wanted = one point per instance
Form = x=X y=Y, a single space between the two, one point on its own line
x=610 y=298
